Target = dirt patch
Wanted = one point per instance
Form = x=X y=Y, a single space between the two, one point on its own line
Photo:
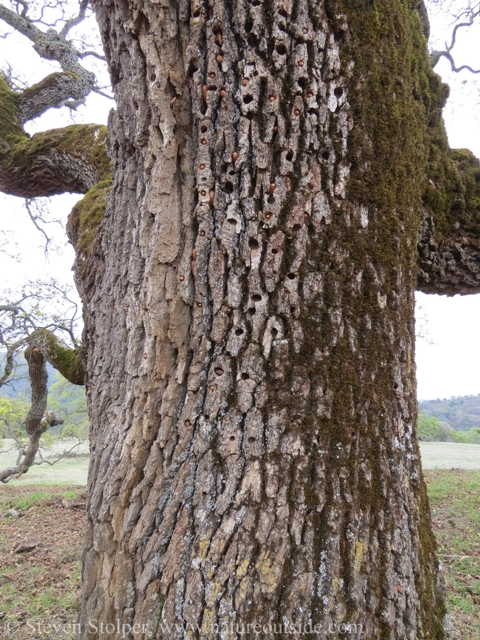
x=40 y=586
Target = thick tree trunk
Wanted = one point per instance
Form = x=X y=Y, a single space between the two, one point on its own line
x=249 y=325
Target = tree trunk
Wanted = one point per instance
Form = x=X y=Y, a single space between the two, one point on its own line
x=249 y=311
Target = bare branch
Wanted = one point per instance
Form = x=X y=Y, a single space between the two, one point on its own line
x=77 y=20
x=34 y=219
x=435 y=58
x=94 y=54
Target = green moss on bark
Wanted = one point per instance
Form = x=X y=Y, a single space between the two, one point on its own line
x=11 y=130
x=86 y=217
x=62 y=357
x=85 y=141
x=66 y=361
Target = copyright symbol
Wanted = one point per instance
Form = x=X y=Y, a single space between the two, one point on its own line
x=10 y=627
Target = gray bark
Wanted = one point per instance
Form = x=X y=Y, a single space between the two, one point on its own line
x=249 y=324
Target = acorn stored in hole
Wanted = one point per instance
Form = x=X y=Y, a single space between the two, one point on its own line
x=234 y=157
x=273 y=186
x=204 y=92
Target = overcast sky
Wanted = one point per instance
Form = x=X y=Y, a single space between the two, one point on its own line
x=450 y=366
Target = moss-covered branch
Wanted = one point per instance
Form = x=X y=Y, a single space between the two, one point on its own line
x=72 y=159
x=63 y=358
x=449 y=243
x=69 y=88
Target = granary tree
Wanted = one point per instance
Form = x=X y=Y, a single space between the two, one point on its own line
x=281 y=184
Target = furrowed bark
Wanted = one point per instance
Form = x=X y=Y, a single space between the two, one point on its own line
x=249 y=324
x=449 y=242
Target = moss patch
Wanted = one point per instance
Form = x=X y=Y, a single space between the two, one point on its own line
x=86 y=217
x=11 y=130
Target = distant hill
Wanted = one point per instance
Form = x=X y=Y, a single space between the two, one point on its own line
x=20 y=385
x=460 y=413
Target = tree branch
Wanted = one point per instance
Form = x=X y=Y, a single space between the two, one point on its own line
x=62 y=357
x=58 y=89
x=449 y=235
x=34 y=423
x=72 y=159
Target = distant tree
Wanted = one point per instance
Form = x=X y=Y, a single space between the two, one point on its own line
x=29 y=323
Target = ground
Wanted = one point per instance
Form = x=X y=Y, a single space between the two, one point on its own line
x=39 y=588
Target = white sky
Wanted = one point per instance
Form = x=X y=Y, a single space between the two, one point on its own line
x=446 y=368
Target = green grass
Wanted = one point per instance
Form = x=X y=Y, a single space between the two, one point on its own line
x=67 y=471
x=455 y=500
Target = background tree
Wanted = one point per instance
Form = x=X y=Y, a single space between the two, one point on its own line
x=24 y=324
x=282 y=184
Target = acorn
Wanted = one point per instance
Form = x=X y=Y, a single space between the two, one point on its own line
x=245 y=82
x=234 y=157
x=219 y=59
x=222 y=93
x=203 y=192
x=212 y=195
x=204 y=92
x=211 y=75
x=272 y=98
x=219 y=38
x=301 y=63
x=272 y=188
x=182 y=278
x=202 y=167
x=194 y=254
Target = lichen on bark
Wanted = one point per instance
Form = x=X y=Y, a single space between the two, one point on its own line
x=251 y=295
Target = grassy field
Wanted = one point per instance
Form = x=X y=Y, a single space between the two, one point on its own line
x=68 y=471
x=448 y=455
x=455 y=503
x=43 y=585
